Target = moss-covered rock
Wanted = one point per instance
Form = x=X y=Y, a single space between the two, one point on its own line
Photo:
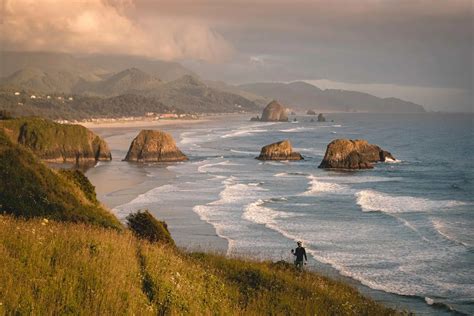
x=56 y=142
x=28 y=188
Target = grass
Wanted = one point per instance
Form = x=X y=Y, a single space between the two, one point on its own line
x=50 y=267
x=28 y=188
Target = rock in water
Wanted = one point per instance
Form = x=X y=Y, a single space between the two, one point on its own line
x=310 y=112
x=279 y=151
x=274 y=112
x=154 y=146
x=353 y=154
x=321 y=118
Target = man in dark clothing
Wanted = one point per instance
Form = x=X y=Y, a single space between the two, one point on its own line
x=299 y=253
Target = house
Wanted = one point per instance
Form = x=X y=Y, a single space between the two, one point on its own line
x=70 y=99
x=17 y=93
x=48 y=97
x=33 y=97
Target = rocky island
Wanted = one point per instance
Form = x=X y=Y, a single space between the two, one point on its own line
x=353 y=154
x=274 y=112
x=54 y=142
x=154 y=146
x=279 y=151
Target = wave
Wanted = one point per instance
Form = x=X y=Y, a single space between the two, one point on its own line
x=244 y=132
x=444 y=230
x=210 y=167
x=290 y=174
x=388 y=160
x=257 y=213
x=316 y=186
x=374 y=201
x=337 y=125
x=234 y=192
x=296 y=129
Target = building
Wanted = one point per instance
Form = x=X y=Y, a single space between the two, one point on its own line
x=33 y=97
x=17 y=93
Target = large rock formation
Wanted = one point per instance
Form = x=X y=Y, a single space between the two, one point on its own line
x=353 y=154
x=321 y=118
x=56 y=142
x=274 y=112
x=310 y=112
x=154 y=146
x=279 y=151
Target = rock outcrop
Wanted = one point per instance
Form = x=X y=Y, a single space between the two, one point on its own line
x=279 y=151
x=310 y=112
x=274 y=112
x=154 y=146
x=54 y=142
x=321 y=118
x=353 y=154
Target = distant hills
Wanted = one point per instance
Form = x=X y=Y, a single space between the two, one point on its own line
x=303 y=96
x=160 y=85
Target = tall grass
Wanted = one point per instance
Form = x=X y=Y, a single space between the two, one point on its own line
x=52 y=268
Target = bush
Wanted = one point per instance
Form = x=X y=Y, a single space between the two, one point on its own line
x=145 y=226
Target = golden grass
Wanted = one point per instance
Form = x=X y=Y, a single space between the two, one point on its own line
x=52 y=268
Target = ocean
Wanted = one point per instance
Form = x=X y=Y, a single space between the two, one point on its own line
x=401 y=232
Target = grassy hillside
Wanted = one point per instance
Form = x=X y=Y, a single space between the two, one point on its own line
x=54 y=141
x=28 y=188
x=63 y=268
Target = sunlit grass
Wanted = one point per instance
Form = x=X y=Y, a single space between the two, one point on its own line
x=48 y=267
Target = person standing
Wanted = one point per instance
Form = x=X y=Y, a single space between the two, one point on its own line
x=300 y=254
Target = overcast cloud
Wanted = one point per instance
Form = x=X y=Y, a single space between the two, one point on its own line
x=407 y=44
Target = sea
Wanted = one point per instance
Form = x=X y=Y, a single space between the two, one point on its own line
x=402 y=233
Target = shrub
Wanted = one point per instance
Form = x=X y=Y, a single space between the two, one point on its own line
x=145 y=226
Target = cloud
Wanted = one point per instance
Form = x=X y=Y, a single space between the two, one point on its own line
x=105 y=26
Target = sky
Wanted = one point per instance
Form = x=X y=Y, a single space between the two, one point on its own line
x=419 y=50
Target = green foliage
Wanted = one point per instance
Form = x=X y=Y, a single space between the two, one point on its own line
x=82 y=182
x=146 y=227
x=5 y=115
x=28 y=188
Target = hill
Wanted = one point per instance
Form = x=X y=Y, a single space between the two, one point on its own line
x=82 y=107
x=190 y=94
x=88 y=66
x=131 y=80
x=28 y=188
x=64 y=268
x=304 y=96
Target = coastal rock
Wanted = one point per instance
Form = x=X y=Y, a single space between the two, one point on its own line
x=353 y=154
x=255 y=119
x=321 y=118
x=54 y=142
x=274 y=112
x=279 y=151
x=154 y=146
x=310 y=112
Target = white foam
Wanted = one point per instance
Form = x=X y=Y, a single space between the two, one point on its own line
x=337 y=125
x=373 y=201
x=316 y=186
x=243 y=132
x=429 y=301
x=389 y=160
x=211 y=167
x=250 y=153
x=259 y=214
x=297 y=129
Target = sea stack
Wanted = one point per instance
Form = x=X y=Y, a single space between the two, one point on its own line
x=274 y=112
x=154 y=146
x=353 y=154
x=310 y=112
x=321 y=118
x=279 y=151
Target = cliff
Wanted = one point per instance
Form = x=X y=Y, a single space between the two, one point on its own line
x=28 y=188
x=274 y=111
x=56 y=142
x=279 y=151
x=154 y=146
x=353 y=154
